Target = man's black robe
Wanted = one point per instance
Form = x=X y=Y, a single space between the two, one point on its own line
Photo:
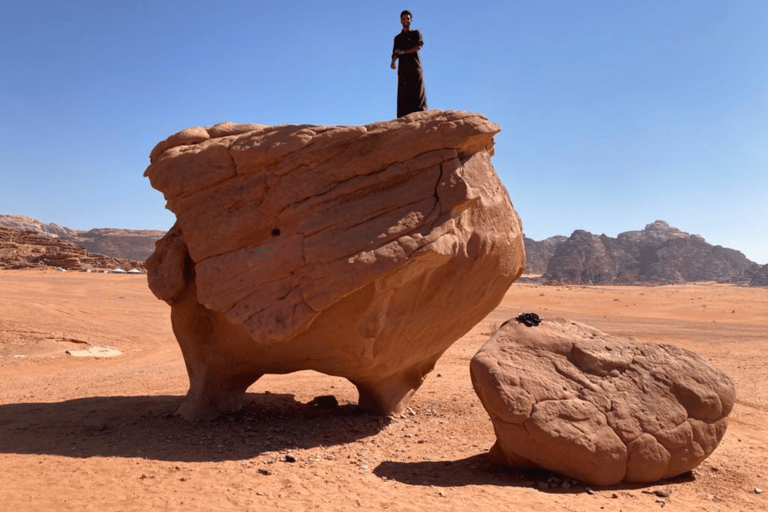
x=411 y=95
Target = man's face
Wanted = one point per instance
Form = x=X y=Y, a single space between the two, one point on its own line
x=405 y=19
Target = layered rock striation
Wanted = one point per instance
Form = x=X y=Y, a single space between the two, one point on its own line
x=132 y=244
x=357 y=251
x=539 y=252
x=569 y=398
x=29 y=249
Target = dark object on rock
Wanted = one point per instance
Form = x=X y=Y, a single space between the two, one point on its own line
x=529 y=319
x=324 y=402
x=290 y=458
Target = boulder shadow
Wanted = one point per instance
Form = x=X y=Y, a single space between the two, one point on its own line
x=474 y=470
x=145 y=427
x=479 y=470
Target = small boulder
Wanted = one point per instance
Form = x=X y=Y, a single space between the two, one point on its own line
x=566 y=397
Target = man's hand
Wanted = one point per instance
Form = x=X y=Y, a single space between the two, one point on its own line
x=393 y=65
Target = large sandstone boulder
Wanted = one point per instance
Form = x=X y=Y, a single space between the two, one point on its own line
x=357 y=251
x=569 y=398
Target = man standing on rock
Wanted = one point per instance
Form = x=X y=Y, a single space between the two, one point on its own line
x=411 y=95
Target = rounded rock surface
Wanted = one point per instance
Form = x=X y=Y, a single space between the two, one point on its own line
x=569 y=398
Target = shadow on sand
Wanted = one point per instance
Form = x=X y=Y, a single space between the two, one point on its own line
x=144 y=426
x=478 y=470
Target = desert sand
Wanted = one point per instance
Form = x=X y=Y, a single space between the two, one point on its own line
x=86 y=433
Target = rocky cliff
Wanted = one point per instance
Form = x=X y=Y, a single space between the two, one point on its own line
x=29 y=249
x=133 y=244
x=538 y=253
x=756 y=275
x=658 y=254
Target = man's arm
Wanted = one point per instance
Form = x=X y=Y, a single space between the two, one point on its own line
x=397 y=53
x=409 y=50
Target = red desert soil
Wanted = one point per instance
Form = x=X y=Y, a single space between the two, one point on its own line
x=97 y=434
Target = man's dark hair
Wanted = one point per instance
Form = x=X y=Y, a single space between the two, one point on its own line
x=406 y=12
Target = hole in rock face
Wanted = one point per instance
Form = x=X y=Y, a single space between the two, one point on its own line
x=276 y=232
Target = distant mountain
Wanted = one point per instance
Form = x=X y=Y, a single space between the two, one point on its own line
x=119 y=243
x=659 y=254
x=538 y=254
x=757 y=275
x=20 y=249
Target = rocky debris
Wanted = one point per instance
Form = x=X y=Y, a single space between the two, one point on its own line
x=95 y=352
x=132 y=244
x=29 y=249
x=357 y=251
x=659 y=254
x=569 y=398
x=324 y=402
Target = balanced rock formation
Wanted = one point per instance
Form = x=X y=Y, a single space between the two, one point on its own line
x=569 y=398
x=357 y=251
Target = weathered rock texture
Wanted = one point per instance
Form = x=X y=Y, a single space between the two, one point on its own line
x=357 y=251
x=757 y=275
x=569 y=398
x=29 y=249
x=656 y=255
x=538 y=253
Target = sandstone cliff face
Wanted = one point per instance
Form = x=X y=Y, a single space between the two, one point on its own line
x=538 y=253
x=124 y=243
x=29 y=249
x=133 y=244
x=358 y=251
x=757 y=275
x=658 y=254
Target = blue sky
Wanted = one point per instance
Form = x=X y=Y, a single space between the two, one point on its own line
x=613 y=113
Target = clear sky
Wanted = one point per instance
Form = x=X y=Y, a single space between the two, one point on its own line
x=614 y=113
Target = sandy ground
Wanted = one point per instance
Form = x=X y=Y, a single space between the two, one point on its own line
x=97 y=433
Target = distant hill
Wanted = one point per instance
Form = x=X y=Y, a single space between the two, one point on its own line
x=538 y=254
x=21 y=249
x=659 y=254
x=131 y=244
